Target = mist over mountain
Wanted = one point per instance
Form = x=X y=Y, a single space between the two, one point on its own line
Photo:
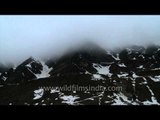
x=45 y=36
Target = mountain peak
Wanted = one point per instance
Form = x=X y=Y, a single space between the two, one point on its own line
x=90 y=46
x=89 y=64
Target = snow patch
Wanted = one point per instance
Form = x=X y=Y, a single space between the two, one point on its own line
x=129 y=50
x=114 y=81
x=22 y=74
x=102 y=70
x=87 y=72
x=117 y=57
x=86 y=92
x=135 y=76
x=26 y=103
x=74 y=91
x=118 y=100
x=29 y=65
x=70 y=100
x=14 y=68
x=154 y=102
x=4 y=78
x=121 y=99
x=10 y=104
x=97 y=77
x=51 y=103
x=134 y=58
x=153 y=57
x=141 y=56
x=122 y=65
x=36 y=103
x=54 y=91
x=90 y=98
x=44 y=72
x=155 y=78
x=122 y=75
x=38 y=94
x=141 y=66
x=156 y=69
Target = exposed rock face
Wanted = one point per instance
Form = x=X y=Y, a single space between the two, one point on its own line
x=136 y=70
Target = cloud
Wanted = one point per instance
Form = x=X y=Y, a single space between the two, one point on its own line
x=42 y=36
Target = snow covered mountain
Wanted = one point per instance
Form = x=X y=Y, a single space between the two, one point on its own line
x=133 y=73
x=30 y=69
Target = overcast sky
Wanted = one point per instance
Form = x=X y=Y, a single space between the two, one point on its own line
x=24 y=36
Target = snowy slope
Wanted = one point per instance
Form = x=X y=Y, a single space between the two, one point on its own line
x=45 y=71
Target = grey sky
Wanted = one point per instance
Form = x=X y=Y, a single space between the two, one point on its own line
x=24 y=36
